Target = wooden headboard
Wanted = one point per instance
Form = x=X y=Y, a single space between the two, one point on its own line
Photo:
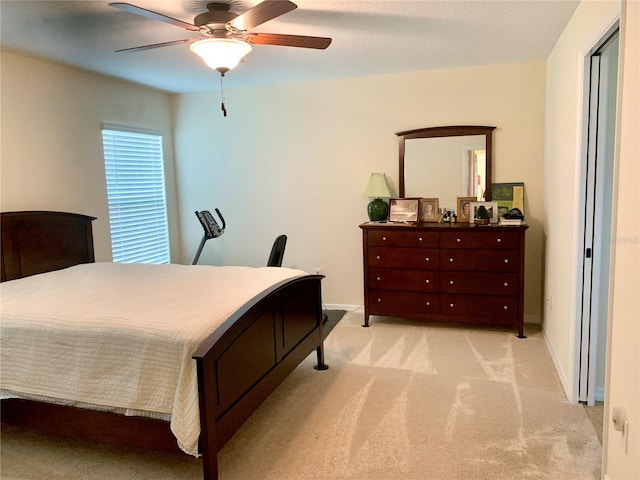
x=38 y=241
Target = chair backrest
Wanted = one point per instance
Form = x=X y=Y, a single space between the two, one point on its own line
x=277 y=251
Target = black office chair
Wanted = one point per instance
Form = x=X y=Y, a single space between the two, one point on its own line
x=277 y=251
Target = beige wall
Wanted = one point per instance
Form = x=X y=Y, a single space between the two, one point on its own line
x=292 y=159
x=562 y=171
x=51 y=145
x=623 y=389
x=296 y=159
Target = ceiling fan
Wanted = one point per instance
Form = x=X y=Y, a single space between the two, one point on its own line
x=224 y=38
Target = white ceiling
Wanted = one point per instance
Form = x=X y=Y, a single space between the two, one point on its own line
x=370 y=37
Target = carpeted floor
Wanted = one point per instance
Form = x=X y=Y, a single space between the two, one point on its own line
x=596 y=415
x=400 y=401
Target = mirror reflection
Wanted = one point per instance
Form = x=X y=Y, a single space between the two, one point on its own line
x=445 y=168
x=446 y=163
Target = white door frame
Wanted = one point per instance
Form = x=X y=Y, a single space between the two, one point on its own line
x=595 y=41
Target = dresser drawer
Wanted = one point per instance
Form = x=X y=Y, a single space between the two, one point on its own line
x=479 y=239
x=488 y=308
x=409 y=258
x=445 y=273
x=395 y=303
x=402 y=238
x=479 y=283
x=413 y=280
x=467 y=260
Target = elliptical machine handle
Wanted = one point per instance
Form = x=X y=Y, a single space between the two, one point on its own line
x=224 y=224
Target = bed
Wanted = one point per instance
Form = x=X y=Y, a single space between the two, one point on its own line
x=84 y=353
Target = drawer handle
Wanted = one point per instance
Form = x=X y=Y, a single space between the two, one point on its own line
x=419 y=239
x=505 y=307
x=499 y=240
x=377 y=257
x=427 y=281
x=384 y=239
x=450 y=282
x=506 y=284
x=428 y=304
x=426 y=259
x=378 y=279
x=458 y=240
x=379 y=300
x=506 y=260
x=450 y=260
x=451 y=305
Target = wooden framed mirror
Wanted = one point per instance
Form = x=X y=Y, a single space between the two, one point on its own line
x=446 y=162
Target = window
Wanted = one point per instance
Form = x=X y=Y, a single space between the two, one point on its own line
x=135 y=188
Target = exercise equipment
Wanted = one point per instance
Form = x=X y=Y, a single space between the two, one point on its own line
x=211 y=230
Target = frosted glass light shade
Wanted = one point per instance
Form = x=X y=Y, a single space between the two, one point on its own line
x=221 y=54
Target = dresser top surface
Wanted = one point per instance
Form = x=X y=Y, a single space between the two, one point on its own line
x=442 y=227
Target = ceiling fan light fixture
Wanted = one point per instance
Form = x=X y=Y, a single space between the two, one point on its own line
x=222 y=54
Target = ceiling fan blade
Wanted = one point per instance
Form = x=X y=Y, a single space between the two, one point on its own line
x=263 y=12
x=287 y=40
x=127 y=7
x=157 y=45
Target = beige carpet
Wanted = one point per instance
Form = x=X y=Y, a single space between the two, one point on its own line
x=400 y=401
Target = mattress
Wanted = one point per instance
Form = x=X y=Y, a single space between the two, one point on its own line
x=120 y=336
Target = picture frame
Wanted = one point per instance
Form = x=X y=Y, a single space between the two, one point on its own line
x=404 y=210
x=492 y=208
x=429 y=210
x=463 y=209
x=508 y=196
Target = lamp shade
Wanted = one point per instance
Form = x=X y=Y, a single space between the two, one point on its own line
x=377 y=189
x=378 y=186
x=222 y=54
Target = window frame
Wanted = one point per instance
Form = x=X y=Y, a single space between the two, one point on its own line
x=136 y=237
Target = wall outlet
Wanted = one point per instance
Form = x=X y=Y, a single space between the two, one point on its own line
x=317 y=270
x=621 y=424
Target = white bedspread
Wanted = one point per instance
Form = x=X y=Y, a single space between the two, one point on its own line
x=119 y=335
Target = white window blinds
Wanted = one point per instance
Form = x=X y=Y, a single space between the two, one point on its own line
x=135 y=188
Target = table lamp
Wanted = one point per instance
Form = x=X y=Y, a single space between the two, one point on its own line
x=377 y=189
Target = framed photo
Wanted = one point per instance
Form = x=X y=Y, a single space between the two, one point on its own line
x=492 y=208
x=403 y=210
x=463 y=208
x=429 y=210
x=508 y=196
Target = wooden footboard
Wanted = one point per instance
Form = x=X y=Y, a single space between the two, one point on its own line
x=239 y=365
x=251 y=354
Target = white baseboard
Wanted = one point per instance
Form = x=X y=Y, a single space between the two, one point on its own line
x=600 y=394
x=348 y=308
x=566 y=386
x=360 y=309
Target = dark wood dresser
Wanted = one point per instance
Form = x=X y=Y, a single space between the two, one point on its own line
x=455 y=273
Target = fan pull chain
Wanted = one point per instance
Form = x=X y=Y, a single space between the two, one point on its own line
x=224 y=110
